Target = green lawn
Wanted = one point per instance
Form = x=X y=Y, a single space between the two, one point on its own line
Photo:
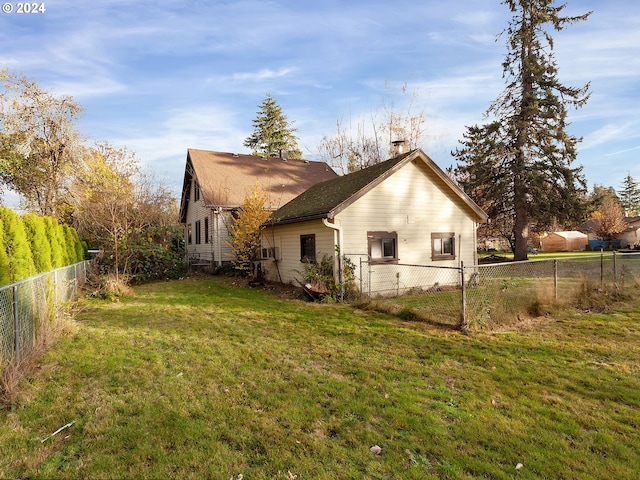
x=200 y=379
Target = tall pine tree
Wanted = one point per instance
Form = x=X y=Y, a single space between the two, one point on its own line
x=629 y=194
x=518 y=166
x=272 y=132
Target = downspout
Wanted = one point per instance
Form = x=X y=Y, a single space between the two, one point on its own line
x=337 y=242
x=475 y=242
x=218 y=212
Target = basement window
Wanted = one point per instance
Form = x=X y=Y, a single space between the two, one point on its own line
x=443 y=246
x=383 y=247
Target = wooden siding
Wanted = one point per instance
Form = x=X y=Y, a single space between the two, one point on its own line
x=286 y=238
x=414 y=203
x=214 y=249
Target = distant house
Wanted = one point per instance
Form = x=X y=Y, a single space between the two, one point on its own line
x=630 y=238
x=405 y=210
x=215 y=184
x=570 y=241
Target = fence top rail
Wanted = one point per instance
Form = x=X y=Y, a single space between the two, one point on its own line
x=35 y=277
x=629 y=254
x=560 y=259
x=439 y=267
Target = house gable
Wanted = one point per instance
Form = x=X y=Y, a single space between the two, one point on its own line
x=327 y=199
x=402 y=211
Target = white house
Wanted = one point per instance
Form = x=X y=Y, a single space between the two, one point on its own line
x=215 y=184
x=630 y=238
x=405 y=210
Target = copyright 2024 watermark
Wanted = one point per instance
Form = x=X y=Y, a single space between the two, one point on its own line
x=24 y=8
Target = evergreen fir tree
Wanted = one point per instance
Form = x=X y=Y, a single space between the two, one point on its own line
x=629 y=195
x=518 y=166
x=272 y=132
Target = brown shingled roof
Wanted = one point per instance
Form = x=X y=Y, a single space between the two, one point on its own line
x=225 y=178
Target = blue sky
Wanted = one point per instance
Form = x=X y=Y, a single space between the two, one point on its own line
x=162 y=76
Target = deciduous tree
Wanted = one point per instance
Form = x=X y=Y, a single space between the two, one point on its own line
x=123 y=211
x=518 y=165
x=272 y=132
x=246 y=229
x=39 y=142
x=608 y=221
x=362 y=142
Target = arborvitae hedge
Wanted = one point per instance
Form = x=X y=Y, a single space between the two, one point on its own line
x=5 y=272
x=40 y=247
x=33 y=244
x=16 y=246
x=56 y=240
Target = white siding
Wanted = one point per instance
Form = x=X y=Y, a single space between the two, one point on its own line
x=414 y=203
x=214 y=248
x=286 y=238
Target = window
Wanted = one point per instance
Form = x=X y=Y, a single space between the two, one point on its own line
x=270 y=253
x=206 y=230
x=196 y=191
x=308 y=248
x=383 y=247
x=189 y=234
x=198 y=237
x=443 y=246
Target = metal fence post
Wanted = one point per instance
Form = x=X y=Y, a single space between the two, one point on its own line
x=463 y=312
x=601 y=268
x=555 y=279
x=16 y=325
x=615 y=273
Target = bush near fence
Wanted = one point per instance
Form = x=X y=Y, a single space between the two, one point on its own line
x=32 y=244
x=30 y=311
x=485 y=296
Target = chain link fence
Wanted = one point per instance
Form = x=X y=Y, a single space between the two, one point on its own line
x=481 y=296
x=30 y=307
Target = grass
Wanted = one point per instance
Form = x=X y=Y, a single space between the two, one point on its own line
x=201 y=379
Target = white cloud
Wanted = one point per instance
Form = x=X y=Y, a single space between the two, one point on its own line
x=263 y=74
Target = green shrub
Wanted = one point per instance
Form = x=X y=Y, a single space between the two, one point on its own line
x=70 y=237
x=56 y=240
x=16 y=246
x=5 y=277
x=36 y=229
x=152 y=253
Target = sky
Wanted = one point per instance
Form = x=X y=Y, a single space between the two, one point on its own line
x=162 y=76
